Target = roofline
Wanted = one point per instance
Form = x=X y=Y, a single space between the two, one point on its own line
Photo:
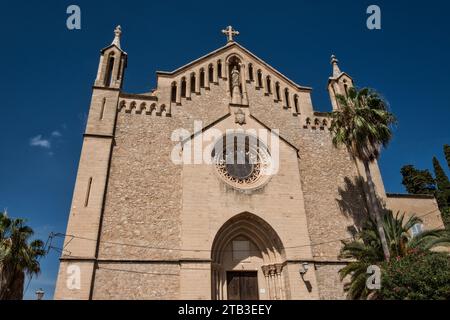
x=193 y=135
x=112 y=45
x=340 y=75
x=229 y=45
x=276 y=133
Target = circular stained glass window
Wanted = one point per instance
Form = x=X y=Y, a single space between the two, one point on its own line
x=242 y=160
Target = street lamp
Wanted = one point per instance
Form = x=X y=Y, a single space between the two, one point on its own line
x=39 y=294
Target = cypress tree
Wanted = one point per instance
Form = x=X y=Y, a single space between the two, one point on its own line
x=417 y=181
x=447 y=154
x=443 y=186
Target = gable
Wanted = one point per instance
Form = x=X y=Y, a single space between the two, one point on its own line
x=221 y=56
x=230 y=122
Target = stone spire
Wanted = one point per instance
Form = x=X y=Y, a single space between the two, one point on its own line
x=334 y=63
x=117 y=33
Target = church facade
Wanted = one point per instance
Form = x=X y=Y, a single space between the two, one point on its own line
x=221 y=183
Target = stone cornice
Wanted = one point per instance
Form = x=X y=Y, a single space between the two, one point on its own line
x=138 y=96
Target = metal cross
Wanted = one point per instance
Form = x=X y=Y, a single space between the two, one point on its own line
x=230 y=32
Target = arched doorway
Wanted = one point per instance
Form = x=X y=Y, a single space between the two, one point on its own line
x=247 y=261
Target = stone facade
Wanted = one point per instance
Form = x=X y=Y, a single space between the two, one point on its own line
x=143 y=226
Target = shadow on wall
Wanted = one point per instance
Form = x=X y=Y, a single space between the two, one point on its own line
x=352 y=201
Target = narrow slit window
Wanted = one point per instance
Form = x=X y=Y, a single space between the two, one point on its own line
x=192 y=83
x=183 y=88
x=219 y=69
x=286 y=96
x=102 y=110
x=259 y=79
x=250 y=72
x=269 y=85
x=210 y=73
x=173 y=97
x=202 y=78
x=88 y=192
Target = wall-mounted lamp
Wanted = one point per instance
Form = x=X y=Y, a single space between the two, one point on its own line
x=304 y=267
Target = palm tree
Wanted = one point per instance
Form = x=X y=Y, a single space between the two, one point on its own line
x=363 y=124
x=18 y=256
x=366 y=249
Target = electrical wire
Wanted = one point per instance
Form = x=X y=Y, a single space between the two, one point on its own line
x=189 y=250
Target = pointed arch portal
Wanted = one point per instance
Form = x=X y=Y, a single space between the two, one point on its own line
x=247 y=260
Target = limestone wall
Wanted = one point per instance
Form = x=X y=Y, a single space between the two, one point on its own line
x=329 y=282
x=424 y=207
x=137 y=281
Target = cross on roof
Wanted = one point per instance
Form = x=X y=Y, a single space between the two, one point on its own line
x=230 y=32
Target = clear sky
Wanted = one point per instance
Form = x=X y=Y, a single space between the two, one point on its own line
x=47 y=72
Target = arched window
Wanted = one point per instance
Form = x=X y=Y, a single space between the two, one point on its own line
x=219 y=69
x=193 y=82
x=260 y=81
x=286 y=97
x=277 y=91
x=250 y=72
x=269 y=85
x=202 y=78
x=296 y=104
x=109 y=70
x=173 y=94
x=183 y=87
x=210 y=73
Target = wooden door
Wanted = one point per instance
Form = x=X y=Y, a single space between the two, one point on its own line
x=242 y=285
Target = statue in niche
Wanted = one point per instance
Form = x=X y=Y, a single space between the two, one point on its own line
x=235 y=81
x=236 y=86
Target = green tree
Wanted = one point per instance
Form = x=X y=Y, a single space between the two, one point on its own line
x=447 y=154
x=445 y=213
x=366 y=248
x=442 y=184
x=363 y=124
x=417 y=181
x=18 y=256
x=421 y=275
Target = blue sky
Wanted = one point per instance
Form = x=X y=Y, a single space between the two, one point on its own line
x=48 y=71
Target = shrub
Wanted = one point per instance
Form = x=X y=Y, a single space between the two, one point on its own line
x=416 y=276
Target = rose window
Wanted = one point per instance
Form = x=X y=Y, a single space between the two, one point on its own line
x=242 y=161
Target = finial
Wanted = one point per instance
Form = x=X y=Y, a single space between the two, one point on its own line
x=230 y=32
x=117 y=33
x=334 y=59
x=334 y=63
